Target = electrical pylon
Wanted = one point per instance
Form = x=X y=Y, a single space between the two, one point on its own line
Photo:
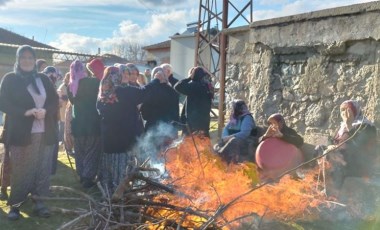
x=214 y=17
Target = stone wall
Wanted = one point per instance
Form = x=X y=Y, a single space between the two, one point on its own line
x=304 y=66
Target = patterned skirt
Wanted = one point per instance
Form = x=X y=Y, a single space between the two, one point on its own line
x=5 y=169
x=31 y=168
x=87 y=153
x=113 y=169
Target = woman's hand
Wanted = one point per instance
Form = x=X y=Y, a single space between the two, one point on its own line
x=273 y=131
x=30 y=112
x=40 y=114
x=227 y=138
x=269 y=132
x=278 y=133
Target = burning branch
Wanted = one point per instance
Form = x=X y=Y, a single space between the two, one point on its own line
x=201 y=192
x=222 y=208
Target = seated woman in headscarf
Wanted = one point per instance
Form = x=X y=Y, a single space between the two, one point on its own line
x=279 y=149
x=236 y=142
x=278 y=128
x=354 y=145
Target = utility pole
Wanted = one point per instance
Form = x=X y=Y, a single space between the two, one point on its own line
x=212 y=43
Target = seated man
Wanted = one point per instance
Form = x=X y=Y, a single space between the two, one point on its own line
x=237 y=142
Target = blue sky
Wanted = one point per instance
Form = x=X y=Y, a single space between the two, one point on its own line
x=85 y=25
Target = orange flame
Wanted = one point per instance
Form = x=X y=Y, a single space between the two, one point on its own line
x=209 y=183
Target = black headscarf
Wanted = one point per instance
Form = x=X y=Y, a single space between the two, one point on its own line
x=200 y=75
x=28 y=77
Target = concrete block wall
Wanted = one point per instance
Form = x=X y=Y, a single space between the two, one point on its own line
x=304 y=66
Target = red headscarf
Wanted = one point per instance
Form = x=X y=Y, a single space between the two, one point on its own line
x=96 y=67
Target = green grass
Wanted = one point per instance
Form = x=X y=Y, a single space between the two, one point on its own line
x=65 y=176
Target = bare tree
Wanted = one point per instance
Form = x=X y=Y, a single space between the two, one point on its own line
x=132 y=51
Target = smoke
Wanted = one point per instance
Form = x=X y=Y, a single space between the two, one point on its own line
x=155 y=141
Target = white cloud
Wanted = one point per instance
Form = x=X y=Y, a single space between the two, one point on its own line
x=137 y=4
x=147 y=24
x=160 y=2
x=77 y=43
x=158 y=28
x=302 y=6
x=272 y=2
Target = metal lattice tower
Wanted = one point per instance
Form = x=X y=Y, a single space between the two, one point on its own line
x=214 y=17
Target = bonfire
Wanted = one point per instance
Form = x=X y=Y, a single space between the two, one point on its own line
x=190 y=187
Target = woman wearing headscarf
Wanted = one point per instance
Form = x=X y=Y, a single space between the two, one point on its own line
x=236 y=144
x=278 y=128
x=52 y=74
x=30 y=102
x=85 y=124
x=41 y=65
x=134 y=74
x=117 y=106
x=63 y=100
x=128 y=79
x=162 y=102
x=96 y=68
x=354 y=144
x=200 y=93
x=125 y=73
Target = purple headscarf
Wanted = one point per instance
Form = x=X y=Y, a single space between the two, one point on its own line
x=77 y=72
x=239 y=109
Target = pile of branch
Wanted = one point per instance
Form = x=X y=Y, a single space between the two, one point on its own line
x=131 y=206
x=134 y=205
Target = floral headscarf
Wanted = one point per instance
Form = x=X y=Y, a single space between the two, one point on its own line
x=111 y=79
x=77 y=72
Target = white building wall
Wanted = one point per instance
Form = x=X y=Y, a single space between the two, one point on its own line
x=182 y=54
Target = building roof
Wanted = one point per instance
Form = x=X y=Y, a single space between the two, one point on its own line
x=9 y=37
x=161 y=45
x=110 y=59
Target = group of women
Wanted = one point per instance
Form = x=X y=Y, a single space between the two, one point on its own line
x=106 y=109
x=352 y=151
